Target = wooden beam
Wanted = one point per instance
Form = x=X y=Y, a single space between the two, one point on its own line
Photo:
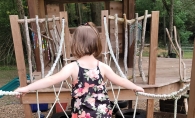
x=33 y=10
x=129 y=10
x=61 y=7
x=153 y=46
x=191 y=107
x=74 y=1
x=152 y=59
x=66 y=48
x=104 y=13
x=47 y=95
x=131 y=15
x=41 y=8
x=17 y=39
x=107 y=5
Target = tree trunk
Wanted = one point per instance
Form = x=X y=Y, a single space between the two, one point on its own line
x=171 y=26
x=96 y=13
x=164 y=26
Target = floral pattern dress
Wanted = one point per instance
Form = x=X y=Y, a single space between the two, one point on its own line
x=89 y=95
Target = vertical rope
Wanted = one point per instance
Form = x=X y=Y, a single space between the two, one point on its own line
x=126 y=45
x=47 y=33
x=175 y=108
x=40 y=47
x=135 y=108
x=29 y=49
x=135 y=48
x=41 y=60
x=142 y=47
x=51 y=71
x=116 y=38
x=112 y=54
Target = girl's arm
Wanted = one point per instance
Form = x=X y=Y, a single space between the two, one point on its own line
x=123 y=82
x=49 y=81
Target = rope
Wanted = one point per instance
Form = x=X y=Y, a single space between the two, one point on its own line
x=135 y=108
x=53 y=67
x=175 y=108
x=172 y=95
x=9 y=93
x=113 y=57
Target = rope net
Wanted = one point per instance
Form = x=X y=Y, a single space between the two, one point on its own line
x=59 y=49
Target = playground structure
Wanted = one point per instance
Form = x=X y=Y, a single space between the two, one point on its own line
x=155 y=83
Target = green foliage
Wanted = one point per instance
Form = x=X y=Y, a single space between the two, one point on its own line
x=7 y=7
x=183 y=16
x=180 y=18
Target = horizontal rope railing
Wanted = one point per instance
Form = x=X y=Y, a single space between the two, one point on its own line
x=39 y=20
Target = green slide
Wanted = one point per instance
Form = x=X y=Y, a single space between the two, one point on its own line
x=12 y=85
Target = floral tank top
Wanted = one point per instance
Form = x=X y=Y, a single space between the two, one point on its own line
x=89 y=95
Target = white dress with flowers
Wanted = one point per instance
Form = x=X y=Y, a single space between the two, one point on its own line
x=89 y=95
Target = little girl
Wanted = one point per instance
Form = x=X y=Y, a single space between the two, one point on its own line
x=89 y=94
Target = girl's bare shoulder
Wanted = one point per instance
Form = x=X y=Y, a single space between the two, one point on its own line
x=70 y=66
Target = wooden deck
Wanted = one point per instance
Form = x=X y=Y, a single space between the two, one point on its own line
x=167 y=81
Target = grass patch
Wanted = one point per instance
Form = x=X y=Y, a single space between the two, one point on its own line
x=8 y=67
x=188 y=55
x=7 y=73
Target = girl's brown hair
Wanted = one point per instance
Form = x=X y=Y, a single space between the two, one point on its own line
x=86 y=41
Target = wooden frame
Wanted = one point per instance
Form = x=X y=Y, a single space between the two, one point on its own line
x=16 y=34
x=191 y=106
x=38 y=7
x=152 y=58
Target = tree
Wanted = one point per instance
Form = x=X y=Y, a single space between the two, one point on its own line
x=96 y=12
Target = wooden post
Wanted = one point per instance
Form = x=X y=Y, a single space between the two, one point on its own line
x=191 y=106
x=41 y=8
x=66 y=48
x=17 y=39
x=152 y=58
x=129 y=10
x=104 y=13
x=107 y=5
x=33 y=10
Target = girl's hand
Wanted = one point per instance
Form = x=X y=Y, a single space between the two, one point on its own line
x=22 y=90
x=138 y=89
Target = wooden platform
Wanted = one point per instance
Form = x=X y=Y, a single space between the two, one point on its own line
x=167 y=81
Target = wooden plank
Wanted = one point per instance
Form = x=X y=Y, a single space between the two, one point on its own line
x=17 y=39
x=41 y=8
x=33 y=8
x=104 y=13
x=152 y=58
x=75 y=1
x=191 y=107
x=52 y=9
x=106 y=5
x=61 y=7
x=47 y=95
